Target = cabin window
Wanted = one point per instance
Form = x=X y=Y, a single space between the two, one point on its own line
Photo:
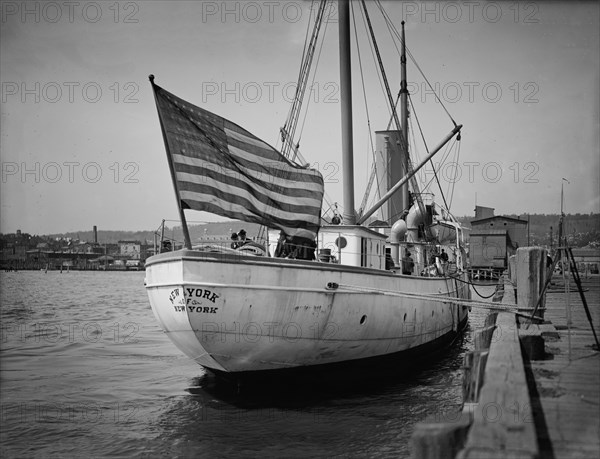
x=363 y=251
x=341 y=242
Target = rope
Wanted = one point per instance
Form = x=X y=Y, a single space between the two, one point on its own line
x=457 y=156
x=438 y=298
x=364 y=90
x=312 y=84
x=472 y=285
x=427 y=150
x=390 y=109
x=480 y=295
x=394 y=31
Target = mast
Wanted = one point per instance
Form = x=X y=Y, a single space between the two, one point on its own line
x=404 y=120
x=400 y=159
x=346 y=105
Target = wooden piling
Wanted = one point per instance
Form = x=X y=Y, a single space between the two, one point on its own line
x=532 y=342
x=474 y=361
x=483 y=337
x=531 y=277
x=473 y=374
x=512 y=269
x=440 y=440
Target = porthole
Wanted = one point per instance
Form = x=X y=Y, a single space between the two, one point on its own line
x=363 y=319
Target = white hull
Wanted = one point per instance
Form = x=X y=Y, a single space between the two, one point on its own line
x=238 y=314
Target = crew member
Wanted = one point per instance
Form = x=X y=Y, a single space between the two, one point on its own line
x=243 y=240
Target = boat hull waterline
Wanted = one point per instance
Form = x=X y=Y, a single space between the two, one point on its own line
x=241 y=314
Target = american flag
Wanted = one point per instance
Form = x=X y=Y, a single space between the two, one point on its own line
x=221 y=168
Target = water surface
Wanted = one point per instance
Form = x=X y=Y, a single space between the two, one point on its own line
x=86 y=371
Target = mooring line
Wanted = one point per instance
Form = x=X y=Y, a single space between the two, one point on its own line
x=434 y=297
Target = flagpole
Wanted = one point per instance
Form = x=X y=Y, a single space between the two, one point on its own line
x=184 y=227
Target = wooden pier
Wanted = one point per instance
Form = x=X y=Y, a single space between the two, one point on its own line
x=531 y=389
x=567 y=380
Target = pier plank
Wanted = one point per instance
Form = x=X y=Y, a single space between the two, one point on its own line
x=568 y=384
x=532 y=408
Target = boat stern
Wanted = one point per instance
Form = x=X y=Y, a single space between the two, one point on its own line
x=166 y=292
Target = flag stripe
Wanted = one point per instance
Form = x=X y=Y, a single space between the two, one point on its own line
x=236 y=210
x=201 y=167
x=236 y=187
x=259 y=153
x=269 y=170
x=221 y=168
x=231 y=134
x=193 y=148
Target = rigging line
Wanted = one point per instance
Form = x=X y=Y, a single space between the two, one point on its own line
x=395 y=108
x=415 y=150
x=289 y=129
x=454 y=182
x=377 y=73
x=364 y=91
x=362 y=77
x=441 y=298
x=412 y=180
x=330 y=202
x=392 y=27
x=304 y=51
x=313 y=81
x=287 y=132
x=388 y=92
x=291 y=110
x=376 y=178
x=427 y=150
x=445 y=155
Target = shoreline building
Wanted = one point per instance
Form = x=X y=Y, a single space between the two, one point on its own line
x=494 y=238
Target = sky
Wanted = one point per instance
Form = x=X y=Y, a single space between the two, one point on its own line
x=80 y=141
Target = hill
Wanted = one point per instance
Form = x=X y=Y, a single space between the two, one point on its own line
x=196 y=232
x=581 y=229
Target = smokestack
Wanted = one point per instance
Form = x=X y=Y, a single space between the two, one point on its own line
x=95 y=235
x=390 y=169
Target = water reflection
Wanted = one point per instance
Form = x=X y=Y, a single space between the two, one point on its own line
x=372 y=414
